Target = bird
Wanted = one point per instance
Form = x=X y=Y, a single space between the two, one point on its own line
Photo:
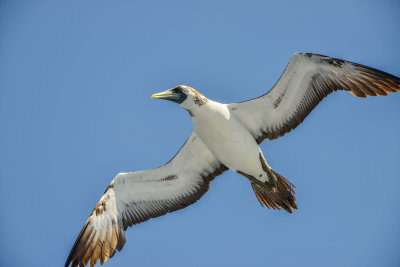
x=225 y=136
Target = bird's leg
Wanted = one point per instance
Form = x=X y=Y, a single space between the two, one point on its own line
x=256 y=181
x=268 y=170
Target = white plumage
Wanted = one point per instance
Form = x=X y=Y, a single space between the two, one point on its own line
x=224 y=136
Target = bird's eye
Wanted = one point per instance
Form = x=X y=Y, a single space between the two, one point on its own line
x=177 y=89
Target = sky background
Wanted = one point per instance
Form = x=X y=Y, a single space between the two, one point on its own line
x=75 y=109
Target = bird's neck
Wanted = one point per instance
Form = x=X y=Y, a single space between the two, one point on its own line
x=207 y=110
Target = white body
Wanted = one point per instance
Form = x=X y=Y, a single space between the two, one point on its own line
x=226 y=137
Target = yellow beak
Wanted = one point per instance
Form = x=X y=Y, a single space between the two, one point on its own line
x=163 y=95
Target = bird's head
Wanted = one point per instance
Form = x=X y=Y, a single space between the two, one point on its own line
x=187 y=97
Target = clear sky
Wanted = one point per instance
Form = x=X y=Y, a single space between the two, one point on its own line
x=75 y=109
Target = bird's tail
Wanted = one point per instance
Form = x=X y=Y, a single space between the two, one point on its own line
x=275 y=194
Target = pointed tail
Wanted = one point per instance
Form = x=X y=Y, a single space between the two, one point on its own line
x=276 y=196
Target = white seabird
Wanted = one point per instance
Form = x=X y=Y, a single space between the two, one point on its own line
x=225 y=136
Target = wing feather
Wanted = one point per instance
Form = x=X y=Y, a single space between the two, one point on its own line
x=307 y=80
x=132 y=198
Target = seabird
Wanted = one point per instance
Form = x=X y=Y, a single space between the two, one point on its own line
x=225 y=136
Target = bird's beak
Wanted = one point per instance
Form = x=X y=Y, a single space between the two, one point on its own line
x=167 y=95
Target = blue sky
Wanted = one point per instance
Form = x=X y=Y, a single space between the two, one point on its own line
x=75 y=109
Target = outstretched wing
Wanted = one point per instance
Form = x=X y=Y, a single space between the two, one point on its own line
x=308 y=79
x=135 y=197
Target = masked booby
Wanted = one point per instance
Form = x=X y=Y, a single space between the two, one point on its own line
x=225 y=136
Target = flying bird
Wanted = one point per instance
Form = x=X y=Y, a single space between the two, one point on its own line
x=225 y=136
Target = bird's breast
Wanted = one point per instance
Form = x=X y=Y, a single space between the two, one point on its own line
x=229 y=141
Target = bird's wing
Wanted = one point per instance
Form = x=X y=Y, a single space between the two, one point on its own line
x=308 y=79
x=135 y=197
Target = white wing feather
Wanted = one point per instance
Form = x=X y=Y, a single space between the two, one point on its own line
x=135 y=197
x=308 y=79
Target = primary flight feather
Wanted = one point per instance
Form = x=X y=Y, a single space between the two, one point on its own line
x=225 y=136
